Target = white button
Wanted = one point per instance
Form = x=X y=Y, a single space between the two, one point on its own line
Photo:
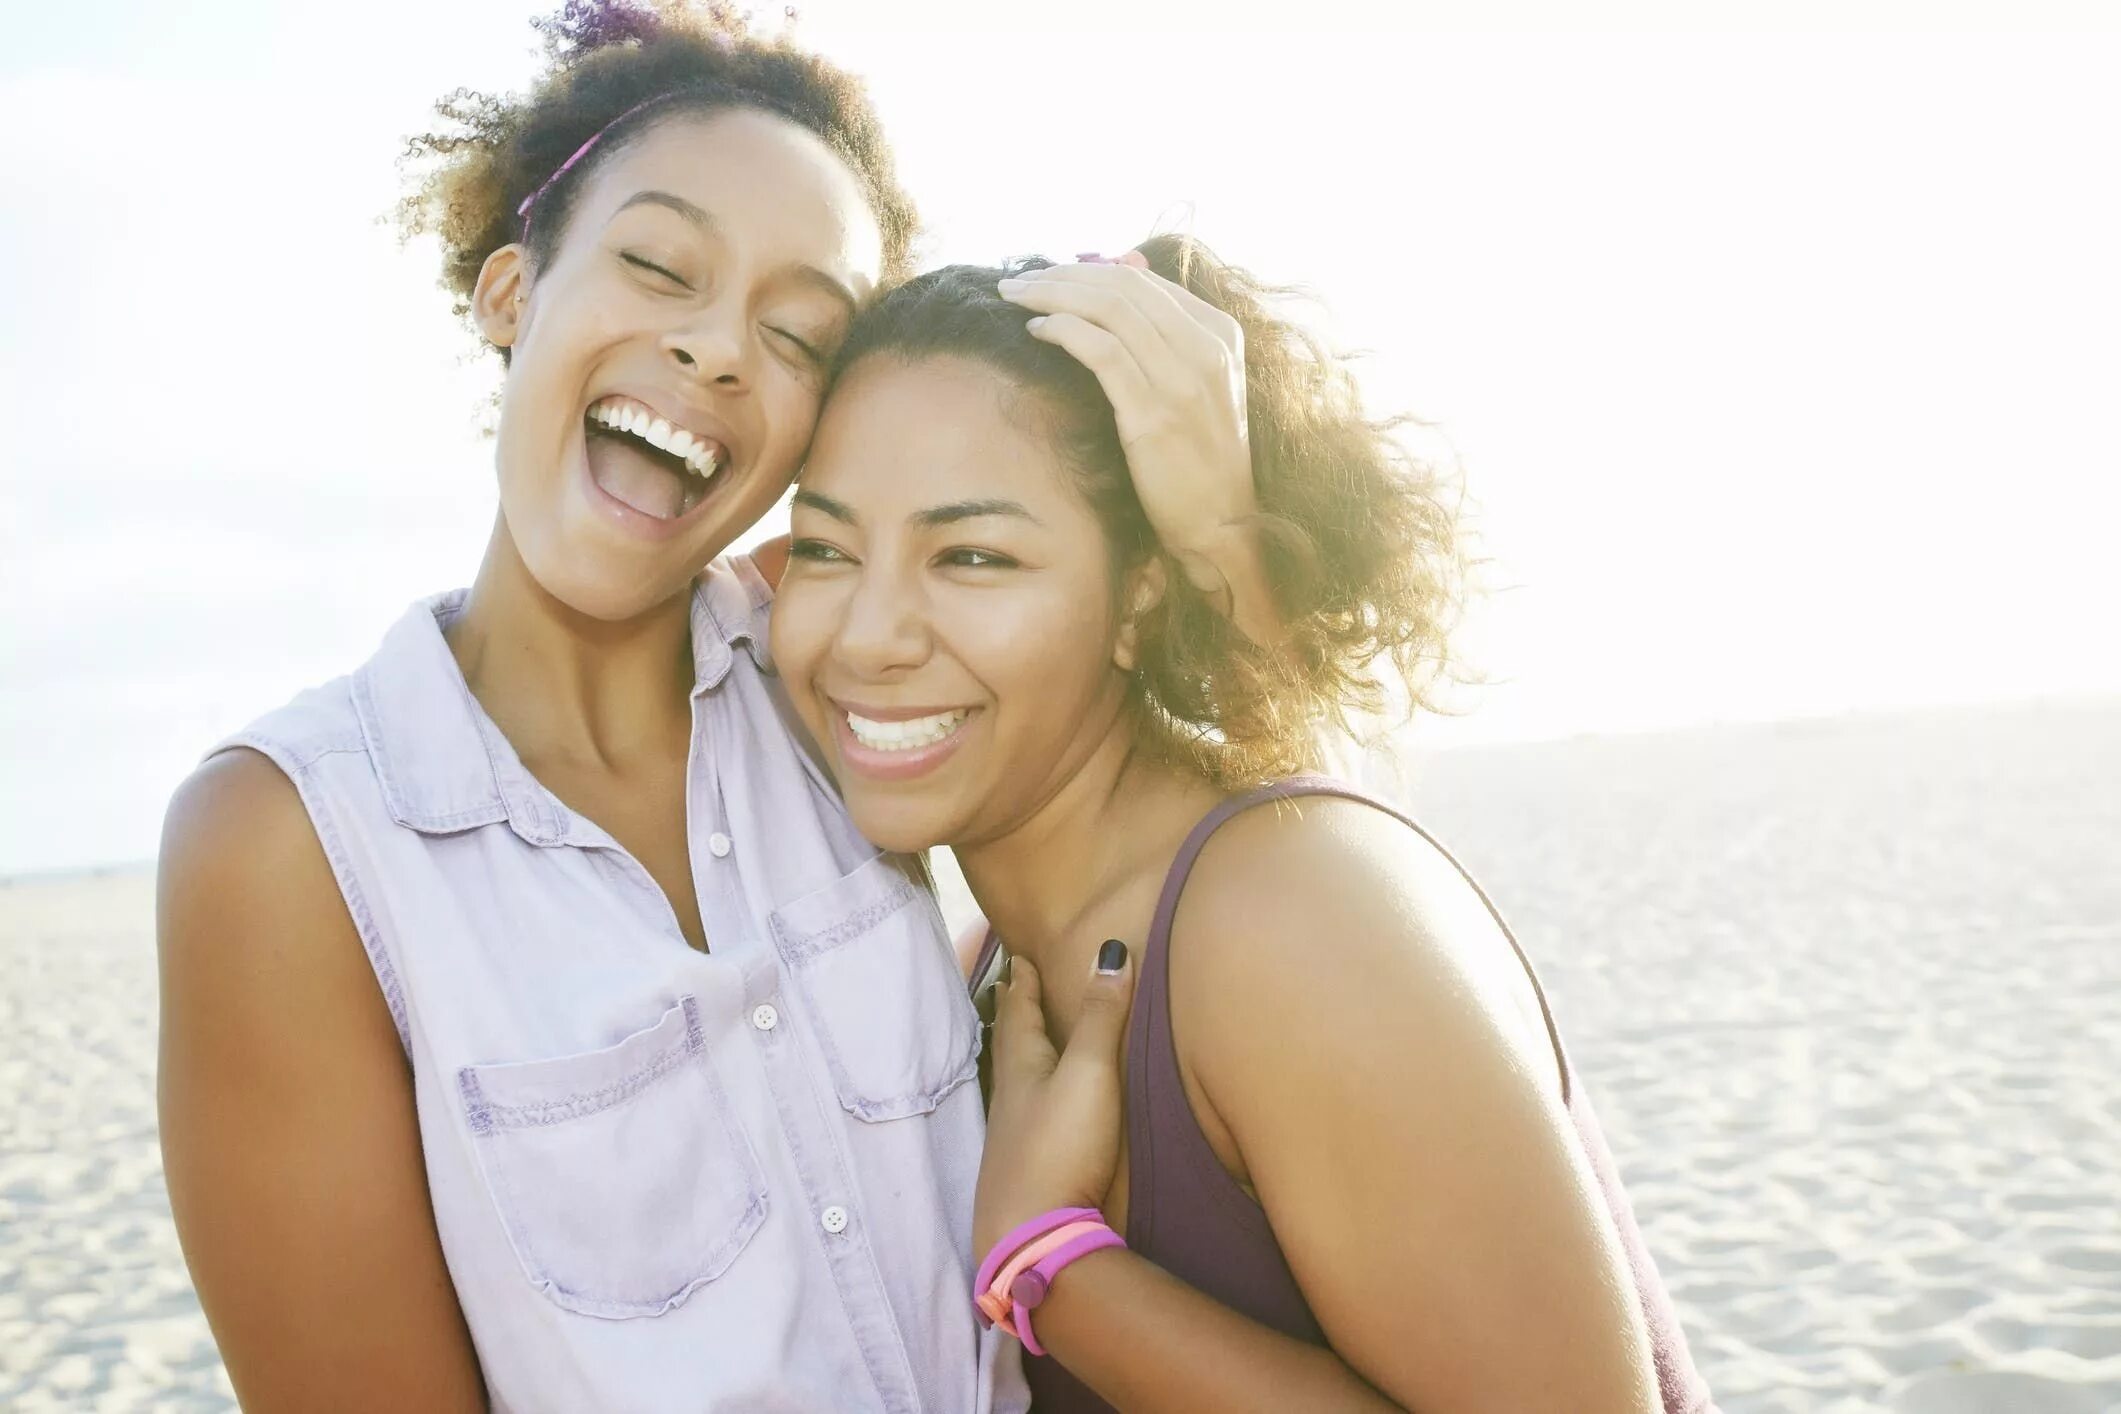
x=765 y=1017
x=718 y=845
x=834 y=1218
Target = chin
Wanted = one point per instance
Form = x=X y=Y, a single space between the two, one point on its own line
x=898 y=827
x=611 y=596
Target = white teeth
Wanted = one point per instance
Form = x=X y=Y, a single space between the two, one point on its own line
x=701 y=456
x=906 y=735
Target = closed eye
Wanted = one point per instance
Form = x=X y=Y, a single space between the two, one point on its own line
x=808 y=350
x=640 y=263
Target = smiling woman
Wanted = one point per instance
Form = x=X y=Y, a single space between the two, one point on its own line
x=1337 y=1129
x=501 y=977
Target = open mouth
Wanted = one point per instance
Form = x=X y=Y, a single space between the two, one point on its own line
x=642 y=459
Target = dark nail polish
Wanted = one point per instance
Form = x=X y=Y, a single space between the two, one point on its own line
x=1112 y=957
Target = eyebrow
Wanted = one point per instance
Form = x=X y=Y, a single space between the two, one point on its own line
x=671 y=201
x=838 y=510
x=931 y=518
x=956 y=511
x=703 y=219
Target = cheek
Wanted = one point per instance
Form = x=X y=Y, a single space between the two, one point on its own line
x=791 y=406
x=541 y=399
x=1046 y=653
x=532 y=444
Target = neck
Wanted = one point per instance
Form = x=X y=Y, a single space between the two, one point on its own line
x=1078 y=868
x=563 y=685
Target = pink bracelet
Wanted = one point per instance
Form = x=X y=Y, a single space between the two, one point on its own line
x=1031 y=1285
x=1014 y=1242
x=999 y=1299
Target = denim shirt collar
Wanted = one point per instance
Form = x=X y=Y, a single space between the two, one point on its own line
x=443 y=764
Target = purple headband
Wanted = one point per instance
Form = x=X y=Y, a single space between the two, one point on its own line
x=649 y=27
x=579 y=153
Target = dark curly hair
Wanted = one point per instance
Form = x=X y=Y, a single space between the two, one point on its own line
x=616 y=69
x=1361 y=539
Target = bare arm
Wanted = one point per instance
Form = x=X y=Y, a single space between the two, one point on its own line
x=1146 y=1341
x=288 y=1125
x=1347 y=1007
x=1173 y=366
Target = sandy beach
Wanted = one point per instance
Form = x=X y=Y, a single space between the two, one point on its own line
x=1847 y=995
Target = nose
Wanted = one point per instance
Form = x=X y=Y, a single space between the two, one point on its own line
x=712 y=348
x=883 y=631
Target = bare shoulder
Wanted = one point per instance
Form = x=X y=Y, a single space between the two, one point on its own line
x=233 y=803
x=1332 y=884
x=245 y=894
x=1325 y=913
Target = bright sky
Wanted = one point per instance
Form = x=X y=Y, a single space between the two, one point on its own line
x=1782 y=364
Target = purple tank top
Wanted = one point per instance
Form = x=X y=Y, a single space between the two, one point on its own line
x=1186 y=1214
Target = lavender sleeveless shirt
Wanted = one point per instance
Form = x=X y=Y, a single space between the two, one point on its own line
x=1186 y=1214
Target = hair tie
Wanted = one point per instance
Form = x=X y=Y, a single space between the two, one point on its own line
x=579 y=153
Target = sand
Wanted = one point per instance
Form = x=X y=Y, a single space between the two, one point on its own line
x=1848 y=998
x=96 y=1311
x=1847 y=994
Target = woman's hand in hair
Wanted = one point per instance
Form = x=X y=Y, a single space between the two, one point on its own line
x=1053 y=1125
x=1173 y=367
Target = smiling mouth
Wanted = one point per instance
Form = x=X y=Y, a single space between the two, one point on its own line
x=642 y=459
x=908 y=735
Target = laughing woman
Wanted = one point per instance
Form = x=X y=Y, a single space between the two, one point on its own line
x=1349 y=1160
x=537 y=1029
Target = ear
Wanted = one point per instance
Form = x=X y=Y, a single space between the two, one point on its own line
x=497 y=299
x=1142 y=590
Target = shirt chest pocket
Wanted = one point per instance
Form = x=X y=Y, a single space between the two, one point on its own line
x=870 y=959
x=623 y=1180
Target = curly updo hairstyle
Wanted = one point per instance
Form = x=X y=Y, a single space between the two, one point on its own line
x=1361 y=538
x=617 y=69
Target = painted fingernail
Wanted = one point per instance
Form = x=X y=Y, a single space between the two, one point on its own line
x=1111 y=958
x=1091 y=257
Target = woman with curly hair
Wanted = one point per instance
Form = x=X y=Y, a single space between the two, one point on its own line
x=1333 y=1155
x=537 y=1029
